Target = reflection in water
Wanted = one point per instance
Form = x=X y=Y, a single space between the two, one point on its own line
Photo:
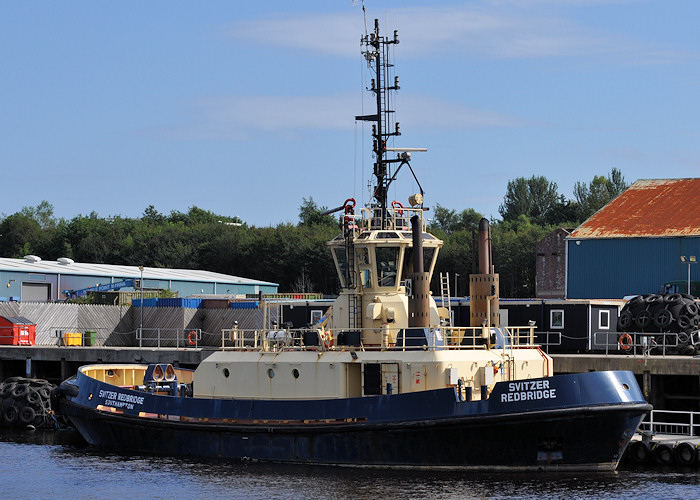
x=46 y=464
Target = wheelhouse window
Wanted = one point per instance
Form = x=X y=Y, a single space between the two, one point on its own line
x=604 y=320
x=343 y=271
x=556 y=318
x=387 y=260
x=366 y=275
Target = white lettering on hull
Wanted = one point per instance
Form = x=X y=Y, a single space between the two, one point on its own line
x=120 y=400
x=528 y=390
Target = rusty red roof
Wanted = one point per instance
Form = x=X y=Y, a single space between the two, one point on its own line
x=648 y=208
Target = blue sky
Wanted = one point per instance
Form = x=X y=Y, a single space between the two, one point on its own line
x=246 y=108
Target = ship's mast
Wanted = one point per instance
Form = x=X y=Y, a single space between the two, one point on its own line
x=376 y=53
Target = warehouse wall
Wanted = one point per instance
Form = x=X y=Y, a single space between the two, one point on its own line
x=614 y=268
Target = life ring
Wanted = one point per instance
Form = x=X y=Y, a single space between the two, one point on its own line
x=625 y=341
x=327 y=340
x=192 y=338
x=349 y=219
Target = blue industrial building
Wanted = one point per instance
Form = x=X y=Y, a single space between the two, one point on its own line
x=35 y=280
x=647 y=236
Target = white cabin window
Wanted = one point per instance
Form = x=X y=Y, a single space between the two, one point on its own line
x=556 y=318
x=604 y=320
x=316 y=316
x=387 y=258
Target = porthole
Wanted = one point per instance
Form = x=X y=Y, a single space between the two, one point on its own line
x=626 y=387
x=271 y=373
x=226 y=372
x=295 y=373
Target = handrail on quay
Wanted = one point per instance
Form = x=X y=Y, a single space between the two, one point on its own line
x=636 y=342
x=677 y=423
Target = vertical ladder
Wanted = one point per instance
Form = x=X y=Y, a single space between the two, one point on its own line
x=351 y=279
x=445 y=293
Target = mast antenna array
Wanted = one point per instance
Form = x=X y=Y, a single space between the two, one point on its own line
x=376 y=53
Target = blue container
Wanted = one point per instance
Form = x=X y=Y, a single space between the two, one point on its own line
x=244 y=305
x=146 y=302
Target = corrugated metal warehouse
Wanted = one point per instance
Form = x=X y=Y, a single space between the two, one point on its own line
x=35 y=280
x=636 y=242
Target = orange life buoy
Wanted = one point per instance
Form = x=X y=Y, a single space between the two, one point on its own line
x=192 y=338
x=625 y=341
x=327 y=340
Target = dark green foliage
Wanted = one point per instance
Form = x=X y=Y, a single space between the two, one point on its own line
x=296 y=256
x=533 y=197
x=598 y=192
x=310 y=214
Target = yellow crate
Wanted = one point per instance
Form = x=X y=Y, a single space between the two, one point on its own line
x=72 y=338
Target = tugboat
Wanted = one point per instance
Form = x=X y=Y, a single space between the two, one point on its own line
x=383 y=379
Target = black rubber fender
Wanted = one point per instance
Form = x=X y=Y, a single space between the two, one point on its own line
x=11 y=415
x=69 y=389
x=638 y=452
x=45 y=391
x=643 y=318
x=20 y=391
x=21 y=380
x=635 y=304
x=625 y=320
x=673 y=298
x=53 y=398
x=684 y=322
x=663 y=318
x=27 y=415
x=654 y=299
x=662 y=453
x=6 y=389
x=37 y=382
x=691 y=309
x=685 y=453
x=33 y=396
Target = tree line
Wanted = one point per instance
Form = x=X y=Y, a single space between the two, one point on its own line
x=295 y=255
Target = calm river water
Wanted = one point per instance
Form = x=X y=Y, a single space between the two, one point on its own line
x=52 y=465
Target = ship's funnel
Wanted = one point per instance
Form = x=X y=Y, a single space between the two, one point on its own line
x=483 y=287
x=419 y=300
x=484 y=247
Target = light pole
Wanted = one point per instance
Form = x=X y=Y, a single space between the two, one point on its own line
x=456 y=276
x=689 y=260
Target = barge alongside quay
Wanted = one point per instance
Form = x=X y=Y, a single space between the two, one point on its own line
x=381 y=380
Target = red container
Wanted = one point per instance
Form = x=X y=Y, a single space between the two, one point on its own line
x=17 y=330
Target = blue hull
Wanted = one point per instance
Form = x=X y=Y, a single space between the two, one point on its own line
x=580 y=422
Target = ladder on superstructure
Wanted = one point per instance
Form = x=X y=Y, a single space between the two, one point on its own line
x=354 y=319
x=445 y=294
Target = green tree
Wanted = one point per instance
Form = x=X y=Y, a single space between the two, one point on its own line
x=449 y=221
x=599 y=192
x=563 y=212
x=310 y=214
x=514 y=245
x=532 y=197
x=20 y=234
x=42 y=213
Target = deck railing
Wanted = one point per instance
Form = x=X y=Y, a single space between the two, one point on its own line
x=445 y=338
